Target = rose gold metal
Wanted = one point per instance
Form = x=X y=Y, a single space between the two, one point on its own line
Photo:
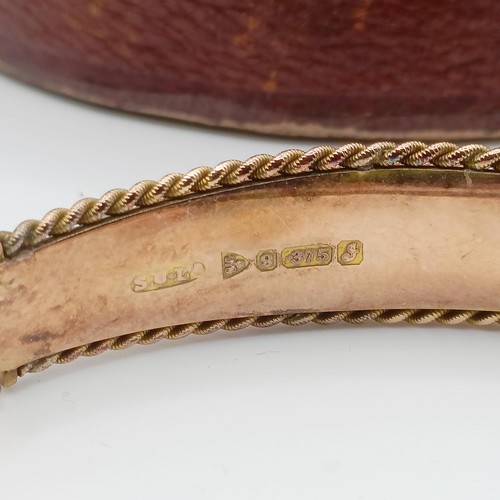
x=354 y=243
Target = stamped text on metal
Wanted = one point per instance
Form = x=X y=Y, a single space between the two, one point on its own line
x=347 y=253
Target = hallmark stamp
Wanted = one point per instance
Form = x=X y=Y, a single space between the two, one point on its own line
x=174 y=276
x=347 y=253
x=266 y=260
x=350 y=253
x=307 y=256
x=233 y=264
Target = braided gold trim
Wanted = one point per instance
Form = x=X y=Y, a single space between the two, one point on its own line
x=386 y=316
x=118 y=202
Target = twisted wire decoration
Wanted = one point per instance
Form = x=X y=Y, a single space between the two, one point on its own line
x=293 y=162
x=118 y=202
x=386 y=316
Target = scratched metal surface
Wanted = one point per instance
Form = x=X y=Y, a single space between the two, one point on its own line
x=349 y=412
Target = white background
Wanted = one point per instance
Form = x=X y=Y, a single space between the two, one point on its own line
x=365 y=412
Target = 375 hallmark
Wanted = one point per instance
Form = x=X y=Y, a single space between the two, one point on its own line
x=347 y=253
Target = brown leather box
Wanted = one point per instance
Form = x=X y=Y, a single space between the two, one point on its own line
x=330 y=68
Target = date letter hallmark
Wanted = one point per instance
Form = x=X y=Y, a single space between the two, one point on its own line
x=174 y=276
x=350 y=253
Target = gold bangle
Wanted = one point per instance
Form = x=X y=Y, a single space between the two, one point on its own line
x=384 y=232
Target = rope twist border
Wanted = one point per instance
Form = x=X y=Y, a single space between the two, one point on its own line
x=354 y=156
x=385 y=316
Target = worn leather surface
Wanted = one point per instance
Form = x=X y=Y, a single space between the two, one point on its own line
x=363 y=68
